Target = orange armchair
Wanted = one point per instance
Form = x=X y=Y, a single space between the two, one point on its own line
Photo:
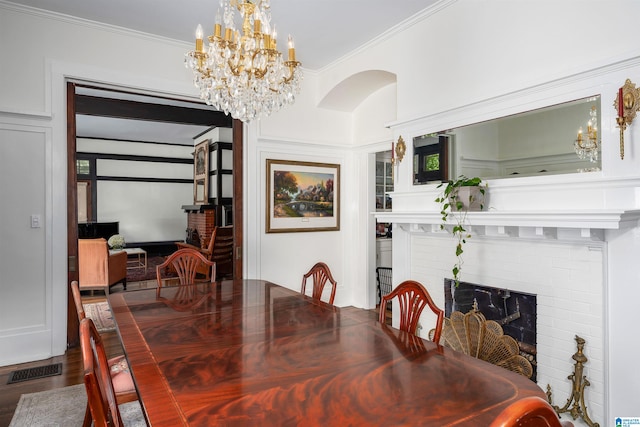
x=97 y=268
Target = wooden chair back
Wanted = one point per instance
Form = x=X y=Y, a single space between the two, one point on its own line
x=219 y=250
x=101 y=396
x=321 y=275
x=187 y=263
x=530 y=411
x=222 y=251
x=413 y=298
x=77 y=299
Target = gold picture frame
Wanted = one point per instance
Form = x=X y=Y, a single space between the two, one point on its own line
x=302 y=196
x=201 y=173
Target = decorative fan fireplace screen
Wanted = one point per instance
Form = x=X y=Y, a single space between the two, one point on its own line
x=499 y=325
x=483 y=339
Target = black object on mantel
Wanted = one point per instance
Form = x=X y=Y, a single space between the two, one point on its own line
x=197 y=208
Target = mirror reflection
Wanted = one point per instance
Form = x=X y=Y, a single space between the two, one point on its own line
x=557 y=139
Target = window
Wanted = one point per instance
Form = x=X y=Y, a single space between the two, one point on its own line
x=384 y=184
x=83 y=167
x=430 y=158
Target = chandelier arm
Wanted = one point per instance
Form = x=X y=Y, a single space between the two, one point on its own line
x=292 y=65
x=236 y=70
x=257 y=71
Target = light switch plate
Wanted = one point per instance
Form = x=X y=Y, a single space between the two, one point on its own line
x=35 y=221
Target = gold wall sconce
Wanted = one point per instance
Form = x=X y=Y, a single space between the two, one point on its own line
x=627 y=105
x=398 y=150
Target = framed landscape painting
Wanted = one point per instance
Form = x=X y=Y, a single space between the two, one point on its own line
x=302 y=196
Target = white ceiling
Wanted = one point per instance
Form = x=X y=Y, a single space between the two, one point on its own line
x=324 y=30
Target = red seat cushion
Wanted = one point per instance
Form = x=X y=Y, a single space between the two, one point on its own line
x=120 y=375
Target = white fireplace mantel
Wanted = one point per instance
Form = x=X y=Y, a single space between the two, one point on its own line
x=596 y=219
x=558 y=225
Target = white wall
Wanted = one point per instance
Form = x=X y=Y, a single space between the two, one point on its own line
x=25 y=306
x=146 y=211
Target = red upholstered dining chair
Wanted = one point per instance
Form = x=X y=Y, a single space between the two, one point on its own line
x=321 y=275
x=101 y=396
x=121 y=379
x=187 y=263
x=413 y=298
x=532 y=411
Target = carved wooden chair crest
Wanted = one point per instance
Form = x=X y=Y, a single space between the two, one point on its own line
x=321 y=275
x=413 y=298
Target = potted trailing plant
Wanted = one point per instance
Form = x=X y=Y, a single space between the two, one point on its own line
x=461 y=196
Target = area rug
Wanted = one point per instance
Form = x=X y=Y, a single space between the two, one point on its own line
x=101 y=315
x=140 y=274
x=64 y=407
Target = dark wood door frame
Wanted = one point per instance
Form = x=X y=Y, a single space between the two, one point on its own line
x=236 y=203
x=72 y=208
x=73 y=325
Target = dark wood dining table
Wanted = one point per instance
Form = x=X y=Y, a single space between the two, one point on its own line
x=250 y=352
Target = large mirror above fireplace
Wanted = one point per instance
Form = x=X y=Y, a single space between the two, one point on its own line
x=539 y=142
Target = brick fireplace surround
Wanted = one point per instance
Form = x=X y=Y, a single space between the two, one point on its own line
x=563 y=257
x=201 y=219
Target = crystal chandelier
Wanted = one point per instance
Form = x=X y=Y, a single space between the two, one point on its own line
x=243 y=74
x=587 y=146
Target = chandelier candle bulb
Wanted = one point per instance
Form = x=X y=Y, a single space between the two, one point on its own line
x=292 y=49
x=217 y=27
x=199 y=34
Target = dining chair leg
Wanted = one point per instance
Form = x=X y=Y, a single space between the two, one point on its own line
x=87 y=417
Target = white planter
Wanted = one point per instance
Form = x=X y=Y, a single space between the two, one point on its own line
x=470 y=196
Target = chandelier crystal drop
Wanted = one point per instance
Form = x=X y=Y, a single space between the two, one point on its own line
x=586 y=147
x=243 y=73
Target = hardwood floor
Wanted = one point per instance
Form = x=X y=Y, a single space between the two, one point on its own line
x=71 y=373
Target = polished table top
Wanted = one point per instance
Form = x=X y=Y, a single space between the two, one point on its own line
x=249 y=352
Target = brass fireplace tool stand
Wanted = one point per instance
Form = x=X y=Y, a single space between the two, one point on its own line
x=579 y=409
